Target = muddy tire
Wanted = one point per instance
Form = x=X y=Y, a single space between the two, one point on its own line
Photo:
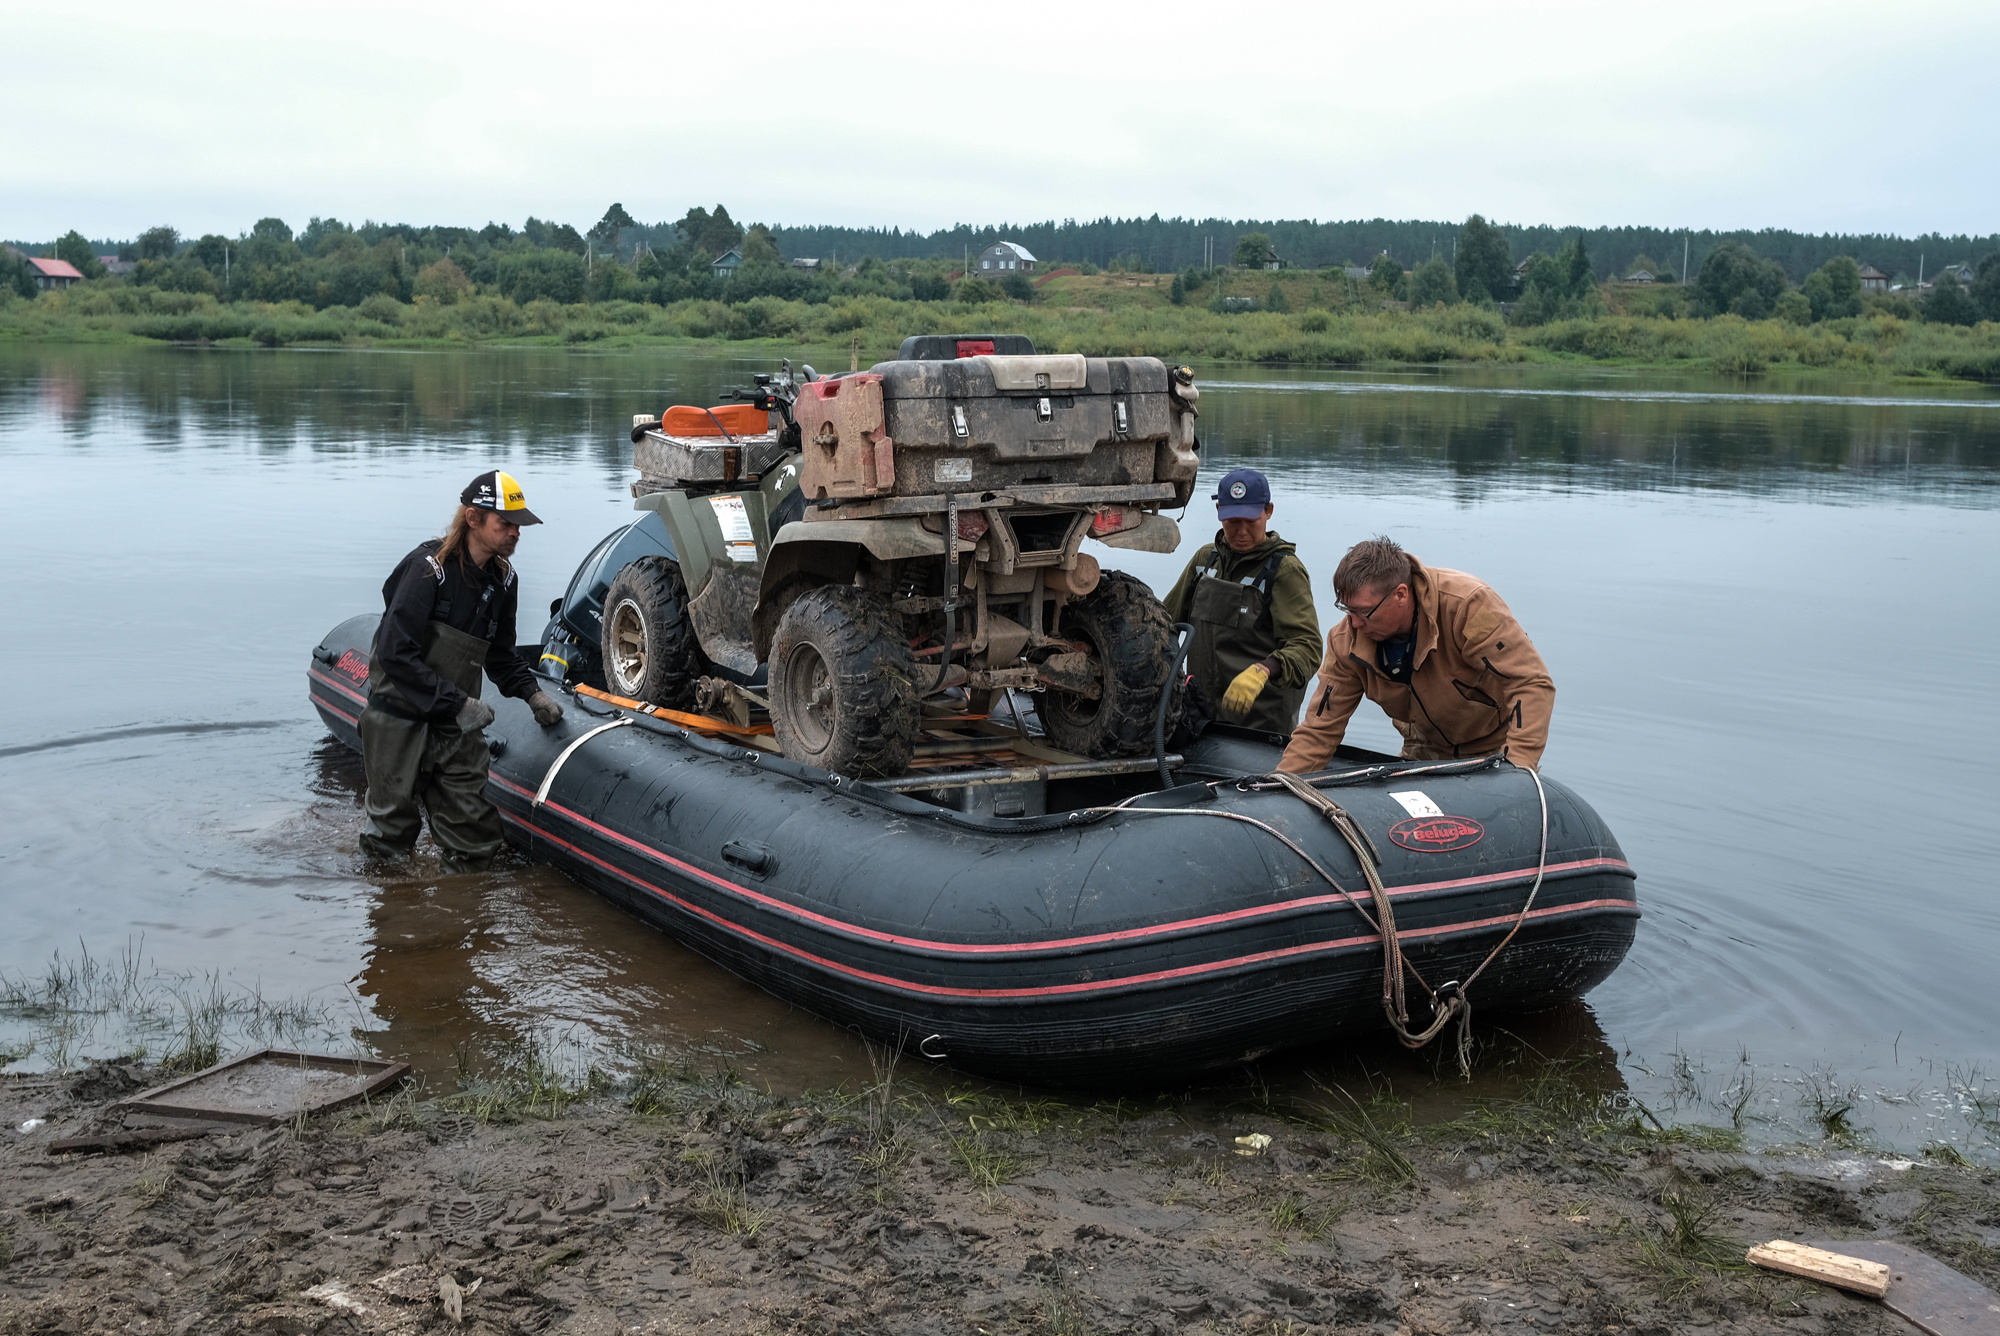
x=843 y=684
x=648 y=643
x=1127 y=631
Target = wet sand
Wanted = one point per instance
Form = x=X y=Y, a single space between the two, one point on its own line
x=678 y=1201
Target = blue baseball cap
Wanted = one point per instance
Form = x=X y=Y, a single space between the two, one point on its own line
x=1241 y=495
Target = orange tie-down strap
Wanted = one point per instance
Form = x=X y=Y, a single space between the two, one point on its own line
x=701 y=723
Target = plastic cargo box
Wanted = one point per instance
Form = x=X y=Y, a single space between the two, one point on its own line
x=988 y=423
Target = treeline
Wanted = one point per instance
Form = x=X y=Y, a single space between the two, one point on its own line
x=1732 y=280
x=1324 y=325
x=330 y=263
x=1154 y=244
x=619 y=279
x=1166 y=245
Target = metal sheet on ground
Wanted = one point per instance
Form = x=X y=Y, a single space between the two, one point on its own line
x=267 y=1086
x=1924 y=1290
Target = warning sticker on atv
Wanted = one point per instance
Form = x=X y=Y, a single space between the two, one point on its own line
x=1437 y=834
x=737 y=539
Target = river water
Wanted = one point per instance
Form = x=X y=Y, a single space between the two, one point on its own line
x=1769 y=610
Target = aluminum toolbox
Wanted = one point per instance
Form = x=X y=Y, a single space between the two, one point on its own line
x=919 y=428
x=670 y=461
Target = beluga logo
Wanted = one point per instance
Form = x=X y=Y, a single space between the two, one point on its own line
x=1437 y=834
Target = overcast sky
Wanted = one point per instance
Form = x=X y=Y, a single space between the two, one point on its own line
x=1749 y=113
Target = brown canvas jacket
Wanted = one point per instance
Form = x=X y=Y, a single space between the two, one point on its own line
x=1478 y=685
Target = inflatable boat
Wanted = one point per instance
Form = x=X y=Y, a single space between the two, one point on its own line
x=1060 y=922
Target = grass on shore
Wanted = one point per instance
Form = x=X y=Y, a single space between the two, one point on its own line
x=1100 y=316
x=85 y=1008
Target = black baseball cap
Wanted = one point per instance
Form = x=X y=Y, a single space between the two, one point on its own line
x=500 y=493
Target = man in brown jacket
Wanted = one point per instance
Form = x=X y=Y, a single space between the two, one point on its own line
x=1439 y=651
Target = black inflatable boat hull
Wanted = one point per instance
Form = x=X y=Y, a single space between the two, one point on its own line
x=1132 y=949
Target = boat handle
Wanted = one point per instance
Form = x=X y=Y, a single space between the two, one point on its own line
x=751 y=856
x=924 y=1047
x=548 y=780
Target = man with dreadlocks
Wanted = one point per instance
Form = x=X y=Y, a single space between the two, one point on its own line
x=448 y=614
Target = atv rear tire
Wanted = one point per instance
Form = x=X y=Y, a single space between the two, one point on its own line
x=1127 y=631
x=648 y=643
x=843 y=684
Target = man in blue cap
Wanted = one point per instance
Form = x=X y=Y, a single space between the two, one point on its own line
x=1249 y=598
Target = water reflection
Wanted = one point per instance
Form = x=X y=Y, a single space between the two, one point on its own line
x=464 y=972
x=1689 y=558
x=1525 y=427
x=1575 y=438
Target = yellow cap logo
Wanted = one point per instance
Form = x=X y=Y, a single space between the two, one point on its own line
x=511 y=497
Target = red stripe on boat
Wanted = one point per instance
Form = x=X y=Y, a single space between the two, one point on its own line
x=337 y=685
x=331 y=708
x=1049 y=990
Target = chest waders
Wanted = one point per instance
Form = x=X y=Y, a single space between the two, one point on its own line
x=418 y=765
x=1232 y=630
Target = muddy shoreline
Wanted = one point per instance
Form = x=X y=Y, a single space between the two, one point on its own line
x=676 y=1201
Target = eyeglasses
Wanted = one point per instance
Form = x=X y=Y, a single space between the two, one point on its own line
x=1360 y=615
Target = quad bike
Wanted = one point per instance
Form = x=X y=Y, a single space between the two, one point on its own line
x=792 y=555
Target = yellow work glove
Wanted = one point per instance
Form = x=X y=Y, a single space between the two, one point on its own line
x=1242 y=693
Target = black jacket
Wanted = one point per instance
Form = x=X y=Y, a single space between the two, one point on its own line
x=478 y=600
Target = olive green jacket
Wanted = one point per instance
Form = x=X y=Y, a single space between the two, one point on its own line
x=1295 y=635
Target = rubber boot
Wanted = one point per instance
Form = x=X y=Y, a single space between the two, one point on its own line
x=392 y=755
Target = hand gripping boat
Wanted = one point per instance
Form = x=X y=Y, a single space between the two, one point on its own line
x=785 y=747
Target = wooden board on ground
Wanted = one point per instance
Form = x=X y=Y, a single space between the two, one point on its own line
x=161 y=1132
x=1829 y=1268
x=265 y=1087
x=1925 y=1291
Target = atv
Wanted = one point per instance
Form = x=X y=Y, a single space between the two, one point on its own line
x=791 y=558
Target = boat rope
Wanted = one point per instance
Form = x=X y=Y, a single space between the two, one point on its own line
x=1449 y=1001
x=548 y=780
x=1269 y=829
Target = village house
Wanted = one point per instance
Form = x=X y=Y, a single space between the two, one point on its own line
x=805 y=263
x=1640 y=276
x=1873 y=279
x=113 y=265
x=1008 y=256
x=55 y=274
x=727 y=263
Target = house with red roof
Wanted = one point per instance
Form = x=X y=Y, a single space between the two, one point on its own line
x=52 y=273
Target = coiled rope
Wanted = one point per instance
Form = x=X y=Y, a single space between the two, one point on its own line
x=1449 y=1001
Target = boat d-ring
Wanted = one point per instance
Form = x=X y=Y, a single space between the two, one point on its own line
x=924 y=1047
x=548 y=780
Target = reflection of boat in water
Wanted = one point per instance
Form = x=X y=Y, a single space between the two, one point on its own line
x=1122 y=932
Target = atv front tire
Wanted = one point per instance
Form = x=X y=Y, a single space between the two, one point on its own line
x=648 y=643
x=843 y=683
x=1126 y=631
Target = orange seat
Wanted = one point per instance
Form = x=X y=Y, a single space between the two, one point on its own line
x=735 y=420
